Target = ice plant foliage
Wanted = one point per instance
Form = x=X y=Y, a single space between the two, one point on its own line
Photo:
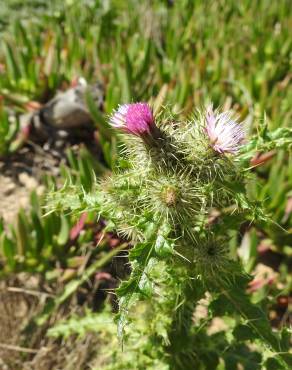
x=136 y=118
x=225 y=134
x=162 y=201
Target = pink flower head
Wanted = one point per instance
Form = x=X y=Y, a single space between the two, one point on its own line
x=225 y=134
x=136 y=118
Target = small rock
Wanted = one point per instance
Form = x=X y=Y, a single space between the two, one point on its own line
x=29 y=182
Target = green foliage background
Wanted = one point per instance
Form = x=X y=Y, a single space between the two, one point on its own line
x=183 y=53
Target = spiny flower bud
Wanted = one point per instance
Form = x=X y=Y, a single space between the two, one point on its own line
x=173 y=197
x=225 y=134
x=211 y=257
x=136 y=118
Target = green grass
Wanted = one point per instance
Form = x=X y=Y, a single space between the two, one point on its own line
x=227 y=51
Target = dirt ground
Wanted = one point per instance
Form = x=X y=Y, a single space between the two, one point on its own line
x=22 y=347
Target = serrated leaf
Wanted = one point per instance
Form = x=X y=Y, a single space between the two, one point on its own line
x=254 y=315
x=137 y=284
x=163 y=247
x=126 y=287
x=145 y=286
x=140 y=252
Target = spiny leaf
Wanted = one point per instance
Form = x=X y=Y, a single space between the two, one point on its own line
x=254 y=315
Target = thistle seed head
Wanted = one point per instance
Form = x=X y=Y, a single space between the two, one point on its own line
x=225 y=134
x=136 y=119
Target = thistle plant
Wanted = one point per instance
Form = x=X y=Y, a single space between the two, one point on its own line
x=171 y=176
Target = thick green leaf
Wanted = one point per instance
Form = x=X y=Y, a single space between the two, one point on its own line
x=63 y=235
x=8 y=250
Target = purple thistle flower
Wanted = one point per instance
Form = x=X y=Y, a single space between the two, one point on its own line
x=136 y=118
x=225 y=134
